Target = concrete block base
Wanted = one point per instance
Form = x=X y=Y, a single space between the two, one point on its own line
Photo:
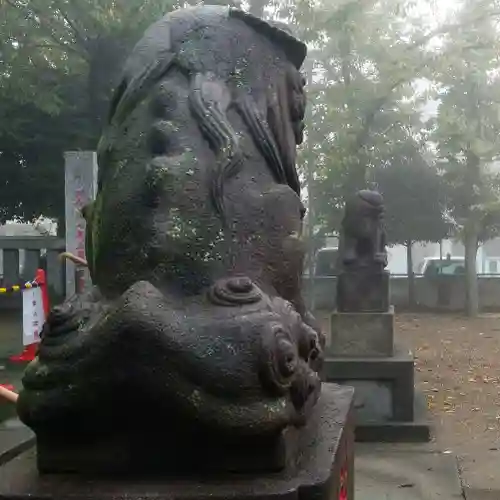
x=362 y=334
x=363 y=289
x=385 y=405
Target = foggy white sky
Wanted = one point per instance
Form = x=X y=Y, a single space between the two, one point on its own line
x=436 y=11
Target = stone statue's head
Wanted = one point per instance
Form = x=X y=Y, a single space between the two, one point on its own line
x=231 y=61
x=203 y=128
x=364 y=213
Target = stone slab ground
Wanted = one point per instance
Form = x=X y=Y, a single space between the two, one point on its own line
x=397 y=472
x=480 y=475
x=422 y=472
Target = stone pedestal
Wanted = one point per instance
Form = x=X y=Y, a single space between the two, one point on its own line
x=324 y=468
x=362 y=334
x=386 y=406
x=363 y=289
x=361 y=353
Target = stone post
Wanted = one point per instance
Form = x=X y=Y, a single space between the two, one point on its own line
x=80 y=189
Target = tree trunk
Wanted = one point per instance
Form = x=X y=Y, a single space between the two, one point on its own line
x=411 y=275
x=473 y=184
x=310 y=256
x=471 y=284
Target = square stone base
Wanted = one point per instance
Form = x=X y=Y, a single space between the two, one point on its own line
x=363 y=290
x=362 y=334
x=323 y=470
x=386 y=406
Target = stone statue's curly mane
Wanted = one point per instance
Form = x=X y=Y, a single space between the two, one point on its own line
x=209 y=102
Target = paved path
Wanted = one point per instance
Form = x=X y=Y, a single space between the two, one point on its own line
x=419 y=472
x=393 y=472
x=480 y=473
x=14 y=438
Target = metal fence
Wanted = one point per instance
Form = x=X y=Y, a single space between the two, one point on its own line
x=22 y=256
x=446 y=293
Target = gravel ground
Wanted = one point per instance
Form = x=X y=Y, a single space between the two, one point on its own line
x=458 y=370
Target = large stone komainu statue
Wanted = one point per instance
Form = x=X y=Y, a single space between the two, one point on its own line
x=363 y=283
x=363 y=241
x=194 y=348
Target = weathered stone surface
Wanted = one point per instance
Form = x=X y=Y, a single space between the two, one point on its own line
x=387 y=408
x=362 y=237
x=326 y=462
x=196 y=327
x=397 y=371
x=362 y=334
x=373 y=399
x=148 y=451
x=363 y=285
x=363 y=290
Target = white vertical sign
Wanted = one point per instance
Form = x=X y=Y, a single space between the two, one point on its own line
x=33 y=315
x=80 y=189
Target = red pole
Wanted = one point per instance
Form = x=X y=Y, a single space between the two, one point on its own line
x=41 y=279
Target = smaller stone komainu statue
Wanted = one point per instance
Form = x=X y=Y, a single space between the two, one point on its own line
x=194 y=348
x=363 y=242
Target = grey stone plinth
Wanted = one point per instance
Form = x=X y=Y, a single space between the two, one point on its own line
x=325 y=466
x=386 y=406
x=362 y=334
x=363 y=290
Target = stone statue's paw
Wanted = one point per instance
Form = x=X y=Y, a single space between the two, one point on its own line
x=247 y=369
x=61 y=320
x=234 y=291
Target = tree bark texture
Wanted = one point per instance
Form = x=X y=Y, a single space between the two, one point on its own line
x=471 y=282
x=411 y=275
